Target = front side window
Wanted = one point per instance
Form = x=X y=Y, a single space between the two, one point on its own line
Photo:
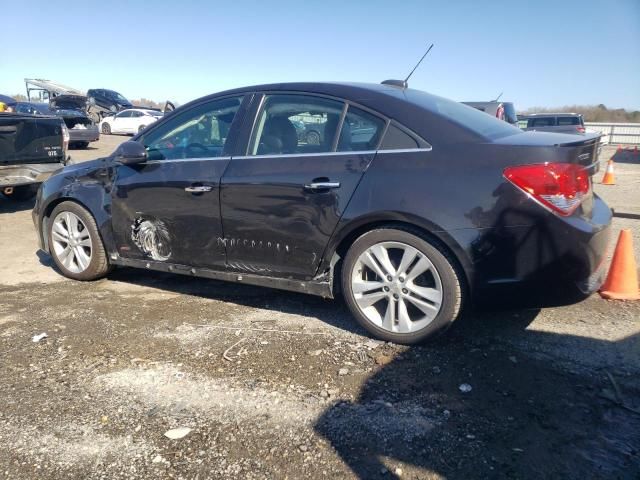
x=200 y=132
x=296 y=124
x=360 y=131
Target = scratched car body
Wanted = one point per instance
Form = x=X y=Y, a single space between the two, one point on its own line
x=431 y=204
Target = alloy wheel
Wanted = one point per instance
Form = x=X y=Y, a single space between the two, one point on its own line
x=396 y=287
x=71 y=242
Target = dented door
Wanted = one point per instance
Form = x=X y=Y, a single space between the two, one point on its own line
x=275 y=222
x=167 y=209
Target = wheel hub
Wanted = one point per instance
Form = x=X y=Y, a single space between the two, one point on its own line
x=396 y=287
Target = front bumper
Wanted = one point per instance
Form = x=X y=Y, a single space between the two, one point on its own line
x=89 y=134
x=26 y=174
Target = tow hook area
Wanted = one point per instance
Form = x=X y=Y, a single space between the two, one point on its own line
x=7 y=190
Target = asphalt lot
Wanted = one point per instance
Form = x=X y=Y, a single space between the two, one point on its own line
x=280 y=385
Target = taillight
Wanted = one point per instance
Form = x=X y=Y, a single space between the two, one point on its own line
x=581 y=129
x=65 y=141
x=558 y=186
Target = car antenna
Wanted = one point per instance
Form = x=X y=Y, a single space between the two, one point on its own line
x=403 y=83
x=498 y=97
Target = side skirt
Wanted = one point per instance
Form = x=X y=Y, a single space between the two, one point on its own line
x=320 y=287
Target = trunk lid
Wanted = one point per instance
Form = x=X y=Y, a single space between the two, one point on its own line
x=69 y=102
x=30 y=139
x=581 y=149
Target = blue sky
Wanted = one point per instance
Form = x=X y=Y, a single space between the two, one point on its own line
x=540 y=53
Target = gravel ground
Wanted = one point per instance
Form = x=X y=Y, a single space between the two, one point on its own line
x=272 y=384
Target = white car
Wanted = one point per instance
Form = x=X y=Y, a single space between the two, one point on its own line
x=129 y=121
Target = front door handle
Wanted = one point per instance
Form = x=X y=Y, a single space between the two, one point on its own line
x=198 y=188
x=321 y=185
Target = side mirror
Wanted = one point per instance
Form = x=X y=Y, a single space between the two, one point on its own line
x=130 y=153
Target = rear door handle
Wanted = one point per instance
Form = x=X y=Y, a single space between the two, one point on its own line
x=198 y=188
x=321 y=185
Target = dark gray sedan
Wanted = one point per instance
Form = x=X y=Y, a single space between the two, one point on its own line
x=410 y=205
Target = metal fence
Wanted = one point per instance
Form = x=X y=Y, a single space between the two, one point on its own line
x=622 y=133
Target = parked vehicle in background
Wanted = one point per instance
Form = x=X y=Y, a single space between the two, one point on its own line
x=70 y=108
x=501 y=110
x=552 y=122
x=103 y=102
x=224 y=188
x=31 y=149
x=132 y=120
x=8 y=102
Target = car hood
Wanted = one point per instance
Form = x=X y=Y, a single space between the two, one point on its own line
x=68 y=102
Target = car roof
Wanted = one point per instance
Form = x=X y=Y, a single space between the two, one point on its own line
x=527 y=115
x=406 y=106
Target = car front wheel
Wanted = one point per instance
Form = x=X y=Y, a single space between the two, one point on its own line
x=75 y=243
x=400 y=286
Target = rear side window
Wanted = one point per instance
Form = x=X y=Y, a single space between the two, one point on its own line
x=360 y=131
x=396 y=139
x=568 y=121
x=297 y=124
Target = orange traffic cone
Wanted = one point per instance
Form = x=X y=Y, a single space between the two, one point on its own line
x=622 y=281
x=609 y=178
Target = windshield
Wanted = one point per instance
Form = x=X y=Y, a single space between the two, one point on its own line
x=510 y=113
x=115 y=96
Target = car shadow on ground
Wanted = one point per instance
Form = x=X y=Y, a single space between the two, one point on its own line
x=523 y=416
x=531 y=411
x=533 y=415
x=8 y=205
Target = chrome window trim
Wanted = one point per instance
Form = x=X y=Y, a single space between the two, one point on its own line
x=407 y=150
x=328 y=154
x=315 y=154
x=174 y=160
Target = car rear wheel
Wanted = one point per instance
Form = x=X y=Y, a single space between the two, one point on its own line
x=400 y=286
x=106 y=128
x=75 y=243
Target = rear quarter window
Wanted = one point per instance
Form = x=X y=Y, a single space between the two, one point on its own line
x=396 y=139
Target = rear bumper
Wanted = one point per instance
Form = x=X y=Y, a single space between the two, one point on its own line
x=26 y=174
x=89 y=134
x=553 y=256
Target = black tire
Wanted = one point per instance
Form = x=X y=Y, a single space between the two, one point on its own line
x=81 y=145
x=99 y=264
x=23 y=192
x=106 y=128
x=447 y=269
x=313 y=138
